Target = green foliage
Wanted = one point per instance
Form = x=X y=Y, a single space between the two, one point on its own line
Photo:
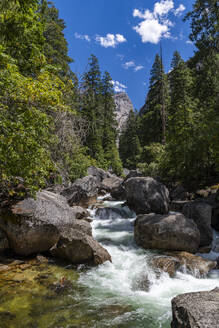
x=129 y=144
x=155 y=164
x=157 y=97
x=21 y=33
x=26 y=128
x=98 y=108
x=36 y=85
x=205 y=25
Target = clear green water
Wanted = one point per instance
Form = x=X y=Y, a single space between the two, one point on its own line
x=32 y=298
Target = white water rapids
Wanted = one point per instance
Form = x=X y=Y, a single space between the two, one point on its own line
x=125 y=280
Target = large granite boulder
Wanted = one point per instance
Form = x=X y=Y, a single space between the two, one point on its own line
x=82 y=191
x=49 y=223
x=109 y=184
x=100 y=174
x=34 y=225
x=201 y=213
x=114 y=185
x=3 y=242
x=169 y=232
x=146 y=195
x=77 y=247
x=196 y=310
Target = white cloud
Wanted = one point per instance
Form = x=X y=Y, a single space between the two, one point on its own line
x=138 y=68
x=118 y=87
x=131 y=64
x=82 y=36
x=128 y=64
x=189 y=42
x=179 y=10
x=163 y=7
x=155 y=24
x=151 y=30
x=110 y=40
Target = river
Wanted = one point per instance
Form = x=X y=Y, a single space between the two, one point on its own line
x=126 y=293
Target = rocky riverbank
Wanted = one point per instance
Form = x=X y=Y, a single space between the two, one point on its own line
x=57 y=223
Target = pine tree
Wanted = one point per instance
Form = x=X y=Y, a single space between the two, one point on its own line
x=176 y=60
x=91 y=109
x=129 y=144
x=56 y=46
x=109 y=134
x=205 y=25
x=153 y=129
x=181 y=144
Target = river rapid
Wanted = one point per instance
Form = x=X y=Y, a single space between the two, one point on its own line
x=126 y=293
x=130 y=279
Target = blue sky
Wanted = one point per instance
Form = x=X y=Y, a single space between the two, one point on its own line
x=125 y=35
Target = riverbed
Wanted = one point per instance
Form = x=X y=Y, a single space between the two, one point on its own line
x=127 y=293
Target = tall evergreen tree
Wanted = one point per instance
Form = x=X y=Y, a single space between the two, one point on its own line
x=56 y=46
x=205 y=26
x=157 y=97
x=91 y=109
x=181 y=118
x=129 y=144
x=109 y=133
x=176 y=60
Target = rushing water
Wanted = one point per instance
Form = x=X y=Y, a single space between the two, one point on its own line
x=130 y=280
x=126 y=293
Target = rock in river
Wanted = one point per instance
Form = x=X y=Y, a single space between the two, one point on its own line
x=196 y=310
x=146 y=195
x=201 y=213
x=36 y=225
x=194 y=264
x=169 y=232
x=76 y=247
x=83 y=191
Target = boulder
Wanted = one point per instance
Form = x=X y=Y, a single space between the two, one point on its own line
x=112 y=213
x=35 y=225
x=169 y=232
x=196 y=310
x=77 y=247
x=3 y=242
x=83 y=191
x=118 y=193
x=196 y=265
x=109 y=184
x=100 y=174
x=114 y=186
x=201 y=213
x=146 y=195
x=167 y=264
